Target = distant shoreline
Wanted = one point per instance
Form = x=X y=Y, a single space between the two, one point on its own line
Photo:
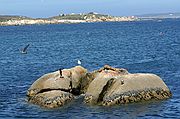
x=91 y=17
x=63 y=19
x=43 y=22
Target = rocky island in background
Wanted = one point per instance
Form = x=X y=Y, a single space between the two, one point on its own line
x=7 y=20
x=63 y=18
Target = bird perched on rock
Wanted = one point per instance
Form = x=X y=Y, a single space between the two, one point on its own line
x=60 y=73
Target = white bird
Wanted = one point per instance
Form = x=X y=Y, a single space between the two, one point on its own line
x=79 y=62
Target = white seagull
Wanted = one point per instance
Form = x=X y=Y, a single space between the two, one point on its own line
x=79 y=62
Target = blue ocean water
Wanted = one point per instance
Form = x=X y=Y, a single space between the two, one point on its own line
x=144 y=46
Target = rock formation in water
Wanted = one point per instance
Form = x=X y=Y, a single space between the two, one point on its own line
x=56 y=89
x=106 y=86
x=116 y=86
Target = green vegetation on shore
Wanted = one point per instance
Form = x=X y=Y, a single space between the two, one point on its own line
x=4 y=18
x=80 y=16
x=72 y=16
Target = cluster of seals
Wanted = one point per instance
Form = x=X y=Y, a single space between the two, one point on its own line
x=106 y=86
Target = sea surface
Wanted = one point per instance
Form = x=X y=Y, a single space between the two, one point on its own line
x=143 y=46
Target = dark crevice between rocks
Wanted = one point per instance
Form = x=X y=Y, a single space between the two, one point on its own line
x=49 y=89
x=105 y=89
x=84 y=83
x=74 y=91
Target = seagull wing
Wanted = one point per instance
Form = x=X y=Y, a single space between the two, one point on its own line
x=25 y=48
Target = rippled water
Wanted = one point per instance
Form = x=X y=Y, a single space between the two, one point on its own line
x=147 y=46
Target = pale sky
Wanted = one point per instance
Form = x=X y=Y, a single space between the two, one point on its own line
x=47 y=8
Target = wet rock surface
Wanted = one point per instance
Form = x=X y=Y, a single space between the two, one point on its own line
x=135 y=96
x=52 y=99
x=106 y=86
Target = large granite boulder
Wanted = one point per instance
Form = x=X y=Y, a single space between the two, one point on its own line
x=106 y=86
x=56 y=88
x=116 y=86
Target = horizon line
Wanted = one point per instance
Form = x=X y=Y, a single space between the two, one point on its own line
x=93 y=12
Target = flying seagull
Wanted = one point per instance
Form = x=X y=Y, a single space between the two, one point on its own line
x=79 y=62
x=24 y=50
